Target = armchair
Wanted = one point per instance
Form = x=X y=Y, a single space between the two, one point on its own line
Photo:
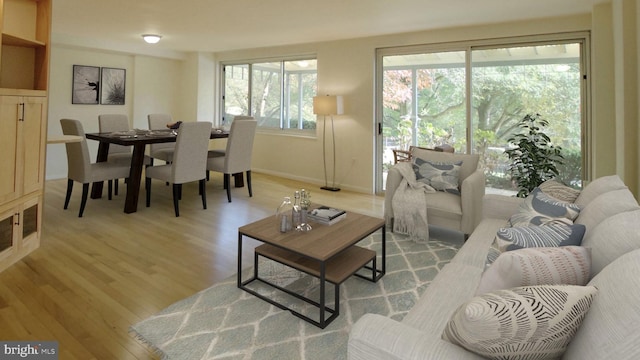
x=456 y=212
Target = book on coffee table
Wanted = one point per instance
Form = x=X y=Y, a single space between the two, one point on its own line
x=326 y=215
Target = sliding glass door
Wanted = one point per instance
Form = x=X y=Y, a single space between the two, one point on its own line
x=472 y=98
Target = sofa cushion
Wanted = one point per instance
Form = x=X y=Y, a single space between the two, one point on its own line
x=606 y=205
x=469 y=161
x=598 y=187
x=612 y=238
x=540 y=203
x=442 y=176
x=559 y=191
x=610 y=329
x=532 y=322
x=565 y=265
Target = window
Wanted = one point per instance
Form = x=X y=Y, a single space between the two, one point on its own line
x=471 y=97
x=278 y=94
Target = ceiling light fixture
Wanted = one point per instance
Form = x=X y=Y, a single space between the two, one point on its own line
x=151 y=38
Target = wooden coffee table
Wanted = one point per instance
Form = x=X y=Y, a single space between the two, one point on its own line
x=327 y=252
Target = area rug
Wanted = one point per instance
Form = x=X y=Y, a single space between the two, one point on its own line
x=226 y=323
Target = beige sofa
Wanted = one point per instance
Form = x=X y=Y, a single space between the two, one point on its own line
x=610 y=330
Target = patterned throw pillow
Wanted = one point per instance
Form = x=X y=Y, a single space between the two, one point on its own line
x=535 y=322
x=565 y=265
x=540 y=203
x=559 y=191
x=442 y=176
x=551 y=235
x=532 y=218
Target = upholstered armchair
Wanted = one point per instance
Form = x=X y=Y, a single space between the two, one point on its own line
x=456 y=212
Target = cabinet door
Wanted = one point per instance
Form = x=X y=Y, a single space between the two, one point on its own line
x=8 y=235
x=9 y=185
x=33 y=149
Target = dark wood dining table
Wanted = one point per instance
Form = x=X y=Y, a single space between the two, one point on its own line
x=139 y=140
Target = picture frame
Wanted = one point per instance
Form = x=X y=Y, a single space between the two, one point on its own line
x=113 y=87
x=86 y=85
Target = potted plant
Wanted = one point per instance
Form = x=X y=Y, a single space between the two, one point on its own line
x=534 y=159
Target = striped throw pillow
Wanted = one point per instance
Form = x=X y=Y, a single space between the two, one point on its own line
x=565 y=265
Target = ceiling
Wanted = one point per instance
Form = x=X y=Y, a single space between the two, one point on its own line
x=220 y=25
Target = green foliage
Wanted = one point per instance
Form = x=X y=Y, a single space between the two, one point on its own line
x=534 y=160
x=571 y=168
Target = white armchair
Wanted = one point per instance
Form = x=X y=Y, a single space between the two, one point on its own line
x=457 y=212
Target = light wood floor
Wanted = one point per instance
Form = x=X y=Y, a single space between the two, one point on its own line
x=95 y=276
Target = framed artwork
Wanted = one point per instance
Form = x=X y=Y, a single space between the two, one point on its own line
x=113 y=86
x=86 y=85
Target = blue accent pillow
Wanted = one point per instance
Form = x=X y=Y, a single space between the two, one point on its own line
x=551 y=235
x=442 y=176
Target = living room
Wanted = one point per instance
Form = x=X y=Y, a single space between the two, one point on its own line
x=184 y=88
x=184 y=84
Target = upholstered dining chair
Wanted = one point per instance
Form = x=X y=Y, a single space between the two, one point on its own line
x=189 y=162
x=237 y=157
x=163 y=151
x=117 y=153
x=81 y=169
x=221 y=152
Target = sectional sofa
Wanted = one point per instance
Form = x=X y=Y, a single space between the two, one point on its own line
x=609 y=330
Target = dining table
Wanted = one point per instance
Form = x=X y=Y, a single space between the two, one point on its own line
x=138 y=139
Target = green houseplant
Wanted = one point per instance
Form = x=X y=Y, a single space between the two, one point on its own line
x=534 y=159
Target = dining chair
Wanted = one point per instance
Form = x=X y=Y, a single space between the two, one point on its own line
x=221 y=152
x=163 y=151
x=81 y=169
x=189 y=162
x=117 y=153
x=237 y=157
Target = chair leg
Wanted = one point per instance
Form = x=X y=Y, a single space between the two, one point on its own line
x=177 y=189
x=207 y=175
x=110 y=191
x=147 y=186
x=85 y=193
x=227 y=179
x=203 y=192
x=115 y=186
x=68 y=196
x=249 y=183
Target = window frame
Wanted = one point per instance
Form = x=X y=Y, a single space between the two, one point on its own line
x=283 y=89
x=583 y=37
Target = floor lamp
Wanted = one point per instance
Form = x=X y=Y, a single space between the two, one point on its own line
x=328 y=105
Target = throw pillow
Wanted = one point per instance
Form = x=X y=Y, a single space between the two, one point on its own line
x=442 y=176
x=532 y=218
x=551 y=235
x=535 y=322
x=559 y=191
x=545 y=205
x=566 y=265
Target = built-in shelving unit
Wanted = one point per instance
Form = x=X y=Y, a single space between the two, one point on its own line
x=24 y=72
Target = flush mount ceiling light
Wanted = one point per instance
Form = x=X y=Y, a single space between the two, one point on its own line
x=151 y=38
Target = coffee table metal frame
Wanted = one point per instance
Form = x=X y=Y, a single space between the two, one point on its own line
x=283 y=249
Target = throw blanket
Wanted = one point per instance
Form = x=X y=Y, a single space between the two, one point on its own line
x=410 y=206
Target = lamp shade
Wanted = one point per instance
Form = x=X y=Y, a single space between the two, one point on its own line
x=328 y=105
